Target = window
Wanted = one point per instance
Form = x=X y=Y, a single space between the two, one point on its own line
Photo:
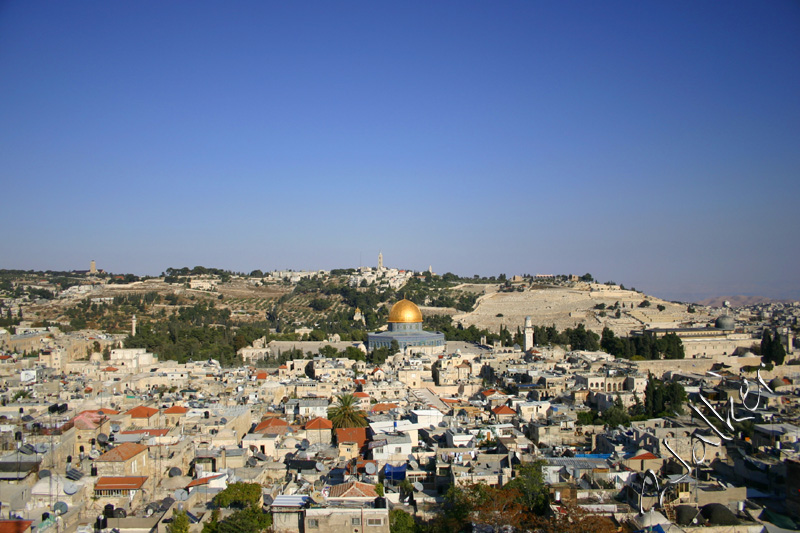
x=374 y=521
x=313 y=523
x=355 y=521
x=398 y=449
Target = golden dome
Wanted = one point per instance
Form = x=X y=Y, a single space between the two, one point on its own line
x=405 y=312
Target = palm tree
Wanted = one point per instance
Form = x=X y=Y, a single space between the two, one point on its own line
x=346 y=413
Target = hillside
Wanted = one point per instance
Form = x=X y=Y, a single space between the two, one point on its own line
x=569 y=306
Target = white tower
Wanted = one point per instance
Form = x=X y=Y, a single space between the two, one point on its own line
x=133 y=326
x=528 y=334
x=380 y=260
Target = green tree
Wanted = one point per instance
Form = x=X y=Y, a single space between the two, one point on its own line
x=180 y=522
x=529 y=481
x=346 y=414
x=239 y=495
x=401 y=522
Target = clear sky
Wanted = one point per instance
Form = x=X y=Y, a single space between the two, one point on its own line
x=653 y=143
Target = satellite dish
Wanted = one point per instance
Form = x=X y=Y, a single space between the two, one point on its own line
x=223 y=421
x=102 y=438
x=320 y=467
x=40 y=448
x=115 y=428
x=317 y=497
x=414 y=465
x=252 y=461
x=260 y=456
x=94 y=454
x=70 y=488
x=119 y=512
x=181 y=495
x=174 y=471
x=370 y=468
x=418 y=486
x=44 y=473
x=60 y=508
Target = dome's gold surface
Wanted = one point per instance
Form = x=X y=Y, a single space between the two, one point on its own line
x=405 y=312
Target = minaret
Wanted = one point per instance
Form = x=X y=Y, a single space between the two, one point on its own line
x=92 y=267
x=528 y=334
x=380 y=260
x=133 y=326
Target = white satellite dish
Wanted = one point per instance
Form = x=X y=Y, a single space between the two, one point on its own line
x=370 y=468
x=317 y=497
x=40 y=448
x=60 y=508
x=181 y=495
x=70 y=488
x=320 y=467
x=418 y=486
x=414 y=465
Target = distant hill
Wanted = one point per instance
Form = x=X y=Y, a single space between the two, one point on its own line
x=739 y=300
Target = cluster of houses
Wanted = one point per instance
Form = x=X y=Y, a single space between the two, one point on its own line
x=120 y=442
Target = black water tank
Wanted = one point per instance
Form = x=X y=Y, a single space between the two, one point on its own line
x=108 y=510
x=101 y=523
x=94 y=471
x=45 y=516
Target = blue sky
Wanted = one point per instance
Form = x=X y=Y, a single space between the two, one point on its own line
x=656 y=144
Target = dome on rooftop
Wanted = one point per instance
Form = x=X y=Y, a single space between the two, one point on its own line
x=725 y=322
x=405 y=312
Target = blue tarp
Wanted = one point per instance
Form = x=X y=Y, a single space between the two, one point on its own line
x=395 y=473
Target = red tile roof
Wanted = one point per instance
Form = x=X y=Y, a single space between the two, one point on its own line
x=176 y=410
x=383 y=407
x=142 y=412
x=202 y=481
x=361 y=395
x=643 y=457
x=272 y=425
x=503 y=410
x=319 y=423
x=120 y=482
x=15 y=526
x=353 y=489
x=123 y=452
x=488 y=392
x=261 y=375
x=357 y=435
x=110 y=369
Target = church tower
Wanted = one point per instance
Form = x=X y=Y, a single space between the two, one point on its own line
x=528 y=334
x=380 y=260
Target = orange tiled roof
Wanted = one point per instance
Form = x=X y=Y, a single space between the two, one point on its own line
x=110 y=369
x=261 y=375
x=272 y=425
x=176 y=410
x=644 y=456
x=15 y=526
x=381 y=407
x=361 y=395
x=488 y=392
x=357 y=435
x=503 y=410
x=353 y=489
x=120 y=482
x=202 y=481
x=142 y=412
x=319 y=423
x=123 y=452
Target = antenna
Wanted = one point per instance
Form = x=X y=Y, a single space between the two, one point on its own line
x=370 y=468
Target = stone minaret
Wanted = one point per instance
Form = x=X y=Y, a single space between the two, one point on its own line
x=92 y=267
x=133 y=326
x=528 y=334
x=380 y=260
